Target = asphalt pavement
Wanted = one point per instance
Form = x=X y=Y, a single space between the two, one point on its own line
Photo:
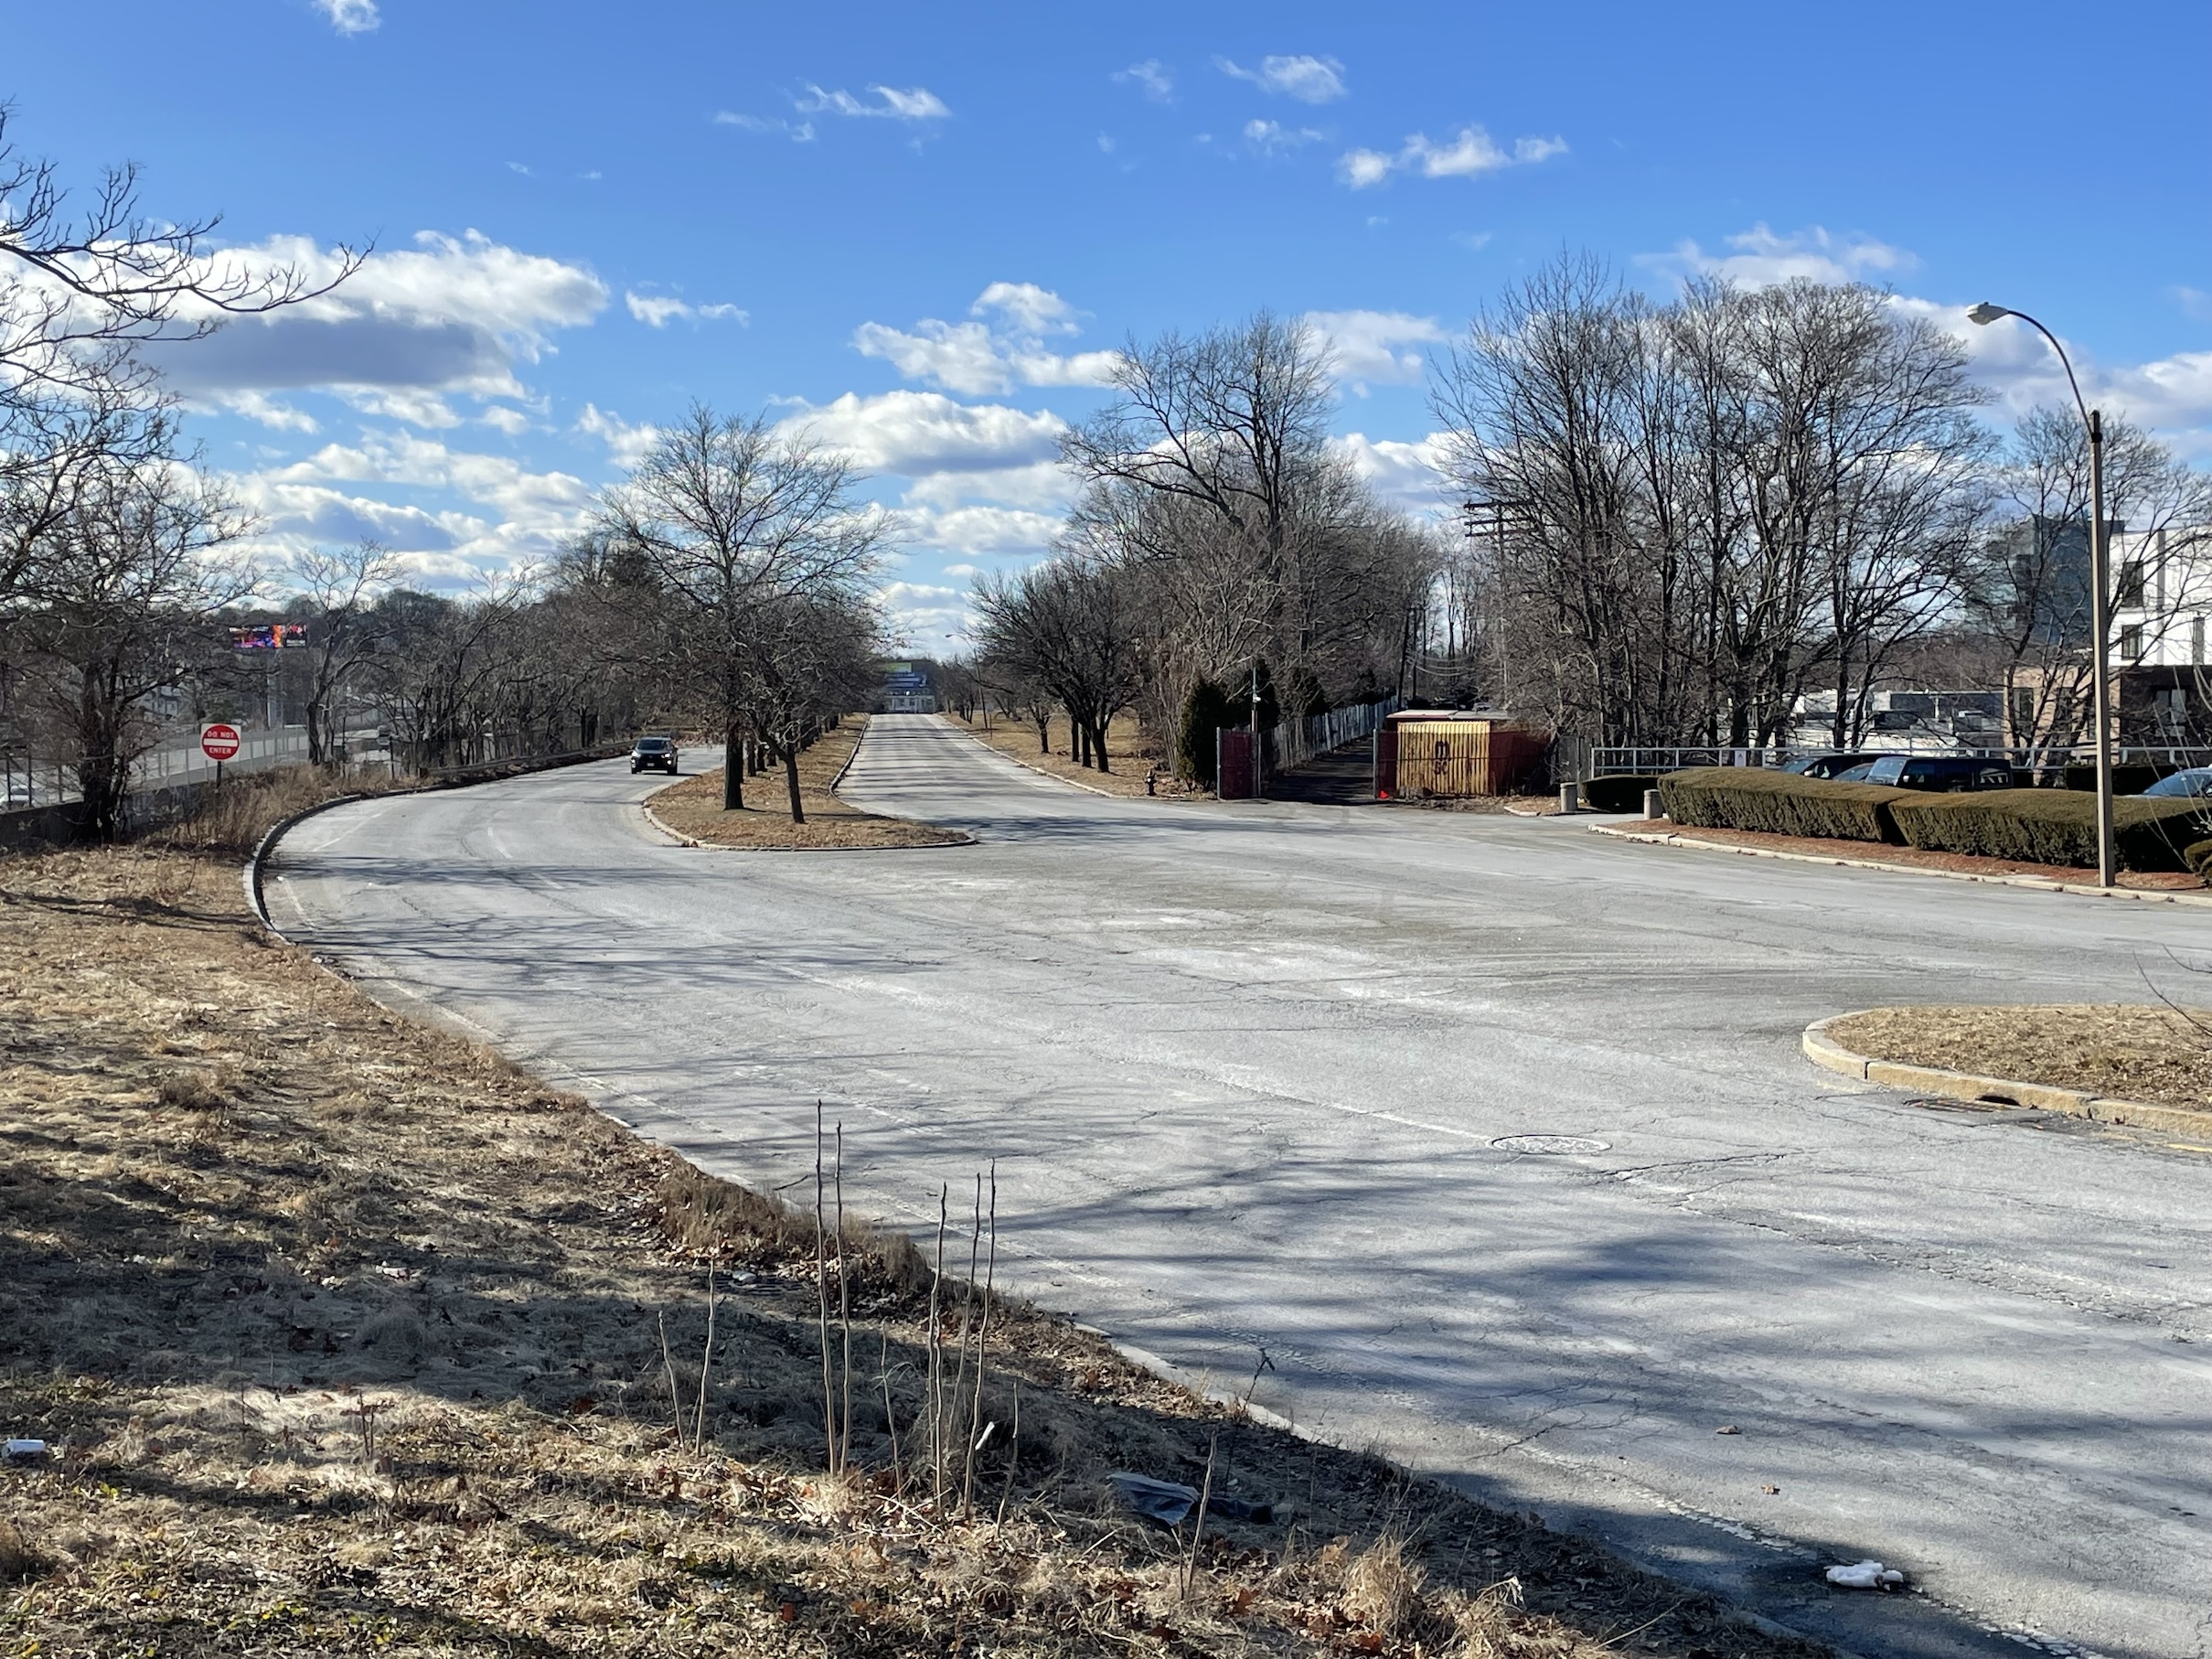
x=1484 y=1142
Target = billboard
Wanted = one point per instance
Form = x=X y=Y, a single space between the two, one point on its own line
x=270 y=636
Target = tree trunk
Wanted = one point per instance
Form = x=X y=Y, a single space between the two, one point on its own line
x=733 y=767
x=1098 y=747
x=791 y=781
x=317 y=746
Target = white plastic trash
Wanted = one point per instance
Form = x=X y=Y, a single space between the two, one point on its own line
x=1865 y=1574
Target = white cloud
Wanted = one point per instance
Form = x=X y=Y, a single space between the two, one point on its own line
x=453 y=313
x=349 y=16
x=1273 y=138
x=1468 y=156
x=1004 y=349
x=658 y=310
x=259 y=406
x=1151 y=77
x=1365 y=344
x=915 y=103
x=500 y=418
x=326 y=497
x=1044 y=486
x=800 y=132
x=925 y=618
x=416 y=406
x=1409 y=475
x=1762 y=257
x=914 y=432
x=1308 y=80
x=626 y=445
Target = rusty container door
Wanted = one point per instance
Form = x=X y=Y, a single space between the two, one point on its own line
x=1386 y=762
x=1235 y=767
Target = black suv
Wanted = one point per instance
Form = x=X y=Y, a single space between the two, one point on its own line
x=656 y=751
x=1824 y=765
x=1945 y=774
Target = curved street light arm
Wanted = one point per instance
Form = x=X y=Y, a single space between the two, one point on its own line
x=2081 y=406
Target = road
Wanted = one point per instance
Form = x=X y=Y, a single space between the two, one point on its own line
x=1246 y=1071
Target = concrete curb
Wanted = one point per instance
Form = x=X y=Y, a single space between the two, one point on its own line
x=251 y=874
x=2035 y=883
x=1823 y=1051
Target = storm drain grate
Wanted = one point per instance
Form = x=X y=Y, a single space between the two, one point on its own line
x=1551 y=1146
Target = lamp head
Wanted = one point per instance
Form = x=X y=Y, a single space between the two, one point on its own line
x=1986 y=314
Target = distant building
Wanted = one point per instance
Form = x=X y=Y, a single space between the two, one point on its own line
x=908 y=690
x=1906 y=721
x=2162 y=605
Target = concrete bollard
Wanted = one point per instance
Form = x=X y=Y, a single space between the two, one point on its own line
x=1652 y=806
x=1570 y=798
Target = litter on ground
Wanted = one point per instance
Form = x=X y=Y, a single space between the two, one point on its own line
x=1867 y=1575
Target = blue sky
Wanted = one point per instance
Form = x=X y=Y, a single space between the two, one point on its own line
x=907 y=226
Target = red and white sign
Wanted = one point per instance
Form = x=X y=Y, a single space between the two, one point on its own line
x=218 y=740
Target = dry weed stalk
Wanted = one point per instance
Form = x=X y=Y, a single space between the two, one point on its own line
x=1198 y=1526
x=676 y=1404
x=975 y=1431
x=705 y=1365
x=822 y=1285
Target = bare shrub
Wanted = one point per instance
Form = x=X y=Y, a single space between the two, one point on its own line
x=191 y=1092
x=701 y=1213
x=1382 y=1587
x=17 y=1558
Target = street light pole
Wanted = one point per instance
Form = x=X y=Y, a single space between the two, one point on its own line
x=2100 y=596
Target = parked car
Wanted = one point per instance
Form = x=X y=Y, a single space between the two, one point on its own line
x=2190 y=780
x=1825 y=765
x=658 y=752
x=1944 y=774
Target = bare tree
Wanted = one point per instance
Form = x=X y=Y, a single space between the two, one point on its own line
x=733 y=516
x=812 y=656
x=336 y=587
x=87 y=287
x=1705 y=508
x=1069 y=627
x=129 y=581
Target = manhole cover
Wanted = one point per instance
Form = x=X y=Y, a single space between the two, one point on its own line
x=1551 y=1146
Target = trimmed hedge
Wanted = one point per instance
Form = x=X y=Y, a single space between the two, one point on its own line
x=2049 y=827
x=1781 y=803
x=1620 y=792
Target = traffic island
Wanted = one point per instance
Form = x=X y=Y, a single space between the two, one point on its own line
x=693 y=811
x=2135 y=1066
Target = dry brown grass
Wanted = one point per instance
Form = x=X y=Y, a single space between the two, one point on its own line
x=346 y=1334
x=1128 y=751
x=246 y=809
x=2155 y=1054
x=694 y=807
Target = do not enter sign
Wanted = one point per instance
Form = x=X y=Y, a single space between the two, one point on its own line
x=218 y=740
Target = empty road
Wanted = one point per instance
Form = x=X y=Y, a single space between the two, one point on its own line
x=1253 y=1076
